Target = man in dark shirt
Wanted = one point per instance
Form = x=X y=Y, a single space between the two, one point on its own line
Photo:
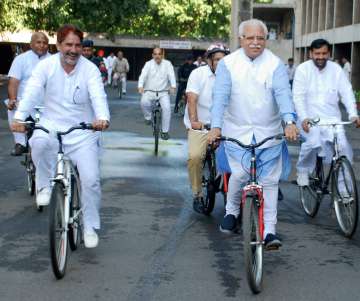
x=88 y=52
x=183 y=76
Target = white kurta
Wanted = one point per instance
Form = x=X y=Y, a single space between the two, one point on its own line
x=21 y=69
x=69 y=99
x=316 y=95
x=157 y=77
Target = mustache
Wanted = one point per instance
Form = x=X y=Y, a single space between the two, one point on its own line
x=72 y=54
x=255 y=46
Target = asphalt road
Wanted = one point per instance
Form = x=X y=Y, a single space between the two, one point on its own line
x=152 y=245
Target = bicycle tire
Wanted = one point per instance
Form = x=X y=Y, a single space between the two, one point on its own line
x=58 y=245
x=30 y=174
x=345 y=202
x=157 y=120
x=75 y=228
x=208 y=184
x=253 y=245
x=311 y=195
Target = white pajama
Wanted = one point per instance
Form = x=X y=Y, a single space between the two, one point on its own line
x=123 y=80
x=84 y=155
x=239 y=178
x=319 y=142
x=18 y=137
x=109 y=71
x=147 y=99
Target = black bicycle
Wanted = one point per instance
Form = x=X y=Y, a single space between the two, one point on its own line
x=340 y=178
x=212 y=182
x=156 y=117
x=28 y=162
x=65 y=214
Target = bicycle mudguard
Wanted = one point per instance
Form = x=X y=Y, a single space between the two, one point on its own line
x=252 y=190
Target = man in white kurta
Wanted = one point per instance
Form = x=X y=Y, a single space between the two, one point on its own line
x=157 y=75
x=74 y=93
x=109 y=65
x=318 y=83
x=197 y=117
x=19 y=73
x=251 y=98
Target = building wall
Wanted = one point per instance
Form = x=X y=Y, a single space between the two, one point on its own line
x=337 y=21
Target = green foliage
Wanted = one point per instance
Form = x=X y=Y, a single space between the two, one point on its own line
x=173 y=18
x=357 y=96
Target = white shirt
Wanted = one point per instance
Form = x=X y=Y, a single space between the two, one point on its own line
x=156 y=76
x=316 y=92
x=69 y=98
x=201 y=82
x=290 y=71
x=110 y=61
x=22 y=66
x=347 y=70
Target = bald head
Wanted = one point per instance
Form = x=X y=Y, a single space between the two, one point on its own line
x=157 y=55
x=39 y=43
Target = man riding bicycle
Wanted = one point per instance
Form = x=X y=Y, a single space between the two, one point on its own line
x=156 y=76
x=251 y=98
x=73 y=93
x=197 y=115
x=120 y=68
x=318 y=83
x=19 y=74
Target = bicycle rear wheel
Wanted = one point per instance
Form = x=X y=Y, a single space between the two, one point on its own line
x=345 y=196
x=75 y=227
x=311 y=195
x=208 y=185
x=58 y=232
x=157 y=120
x=253 y=245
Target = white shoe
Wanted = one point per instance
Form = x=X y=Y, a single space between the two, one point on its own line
x=91 y=239
x=43 y=196
x=303 y=179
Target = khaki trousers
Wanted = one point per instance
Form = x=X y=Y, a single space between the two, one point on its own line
x=197 y=142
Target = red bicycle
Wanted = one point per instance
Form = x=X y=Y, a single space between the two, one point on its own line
x=252 y=209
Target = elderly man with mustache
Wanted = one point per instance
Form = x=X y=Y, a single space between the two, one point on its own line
x=251 y=98
x=73 y=93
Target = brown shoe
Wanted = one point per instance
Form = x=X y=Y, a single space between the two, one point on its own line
x=18 y=150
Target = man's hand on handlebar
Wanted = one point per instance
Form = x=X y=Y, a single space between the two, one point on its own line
x=291 y=132
x=214 y=135
x=141 y=90
x=356 y=120
x=197 y=125
x=12 y=104
x=100 y=125
x=172 y=90
x=17 y=126
x=306 y=125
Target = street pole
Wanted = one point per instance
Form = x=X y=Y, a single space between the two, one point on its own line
x=241 y=10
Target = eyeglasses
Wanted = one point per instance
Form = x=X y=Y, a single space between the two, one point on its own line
x=253 y=38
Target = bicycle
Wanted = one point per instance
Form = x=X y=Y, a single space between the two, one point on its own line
x=252 y=210
x=28 y=162
x=211 y=181
x=182 y=104
x=156 y=118
x=343 y=190
x=65 y=214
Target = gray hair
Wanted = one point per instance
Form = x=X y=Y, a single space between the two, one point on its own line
x=252 y=22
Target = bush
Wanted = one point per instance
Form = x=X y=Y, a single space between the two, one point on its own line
x=357 y=96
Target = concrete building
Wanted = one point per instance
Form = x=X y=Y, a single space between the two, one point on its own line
x=337 y=21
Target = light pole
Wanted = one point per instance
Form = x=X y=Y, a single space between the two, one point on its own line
x=241 y=10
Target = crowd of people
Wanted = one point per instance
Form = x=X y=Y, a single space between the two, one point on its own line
x=248 y=94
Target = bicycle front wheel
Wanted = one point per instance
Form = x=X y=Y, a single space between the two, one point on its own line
x=157 y=120
x=253 y=245
x=311 y=195
x=58 y=232
x=75 y=227
x=208 y=186
x=345 y=196
x=30 y=170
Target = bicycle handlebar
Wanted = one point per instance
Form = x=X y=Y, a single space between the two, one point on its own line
x=252 y=146
x=33 y=126
x=316 y=122
x=156 y=91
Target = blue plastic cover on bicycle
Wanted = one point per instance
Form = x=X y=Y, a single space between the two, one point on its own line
x=265 y=158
